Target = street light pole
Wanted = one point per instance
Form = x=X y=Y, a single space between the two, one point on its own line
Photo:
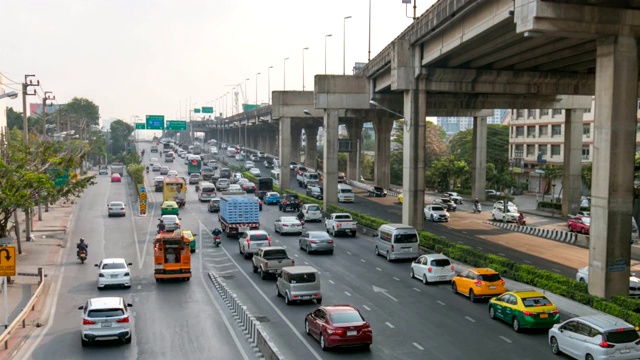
x=269 y=84
x=44 y=112
x=344 y=43
x=369 y=53
x=257 y=89
x=284 y=75
x=303 y=50
x=325 y=53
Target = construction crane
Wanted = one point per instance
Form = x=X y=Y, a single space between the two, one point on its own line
x=235 y=106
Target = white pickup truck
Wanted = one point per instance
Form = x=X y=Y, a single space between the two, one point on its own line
x=341 y=223
x=306 y=179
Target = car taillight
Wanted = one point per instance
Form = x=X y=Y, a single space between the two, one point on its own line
x=502 y=281
x=528 y=313
x=121 y=208
x=556 y=311
x=123 y=320
x=337 y=225
x=313 y=242
x=452 y=267
x=477 y=283
x=330 y=241
x=393 y=248
x=88 y=322
x=337 y=332
x=429 y=269
x=606 y=345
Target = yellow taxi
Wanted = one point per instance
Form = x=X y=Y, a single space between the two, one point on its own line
x=400 y=198
x=524 y=309
x=478 y=283
x=170 y=208
x=192 y=239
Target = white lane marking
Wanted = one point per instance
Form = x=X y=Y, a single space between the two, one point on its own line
x=505 y=339
x=226 y=271
x=396 y=279
x=139 y=287
x=416 y=289
x=277 y=240
x=378 y=269
x=440 y=302
x=556 y=270
x=296 y=255
x=527 y=261
x=295 y=331
x=347 y=293
x=501 y=254
x=366 y=307
x=390 y=325
x=306 y=263
x=470 y=319
x=331 y=281
x=418 y=346
x=349 y=252
x=478 y=247
x=460 y=242
x=219 y=265
x=363 y=260
x=464 y=232
x=210 y=257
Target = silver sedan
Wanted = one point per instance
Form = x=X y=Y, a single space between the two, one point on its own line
x=287 y=224
x=316 y=241
x=116 y=208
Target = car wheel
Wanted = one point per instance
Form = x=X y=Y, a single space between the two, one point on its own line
x=388 y=256
x=240 y=250
x=582 y=231
x=516 y=324
x=353 y=234
x=412 y=274
x=275 y=230
x=300 y=244
x=323 y=345
x=307 y=249
x=331 y=252
x=377 y=252
x=472 y=296
x=263 y=275
x=306 y=327
x=492 y=313
x=493 y=217
x=582 y=280
x=255 y=269
x=555 y=348
x=424 y=279
x=589 y=357
x=278 y=291
x=432 y=219
x=287 y=301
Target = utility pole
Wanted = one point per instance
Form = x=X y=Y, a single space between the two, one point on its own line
x=25 y=136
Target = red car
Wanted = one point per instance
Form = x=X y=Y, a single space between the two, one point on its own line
x=301 y=170
x=116 y=178
x=579 y=224
x=338 y=325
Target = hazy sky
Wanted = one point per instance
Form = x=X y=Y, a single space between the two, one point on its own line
x=138 y=57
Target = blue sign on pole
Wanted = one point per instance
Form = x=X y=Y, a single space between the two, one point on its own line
x=143 y=189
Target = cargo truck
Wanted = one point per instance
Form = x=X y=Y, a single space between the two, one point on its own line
x=117 y=168
x=238 y=213
x=171 y=256
x=265 y=185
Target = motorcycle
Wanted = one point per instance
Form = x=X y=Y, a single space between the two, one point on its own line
x=477 y=208
x=82 y=256
x=147 y=170
x=216 y=241
x=521 y=221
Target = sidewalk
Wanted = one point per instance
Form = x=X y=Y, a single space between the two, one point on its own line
x=50 y=237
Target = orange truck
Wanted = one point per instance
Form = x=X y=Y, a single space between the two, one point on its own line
x=171 y=256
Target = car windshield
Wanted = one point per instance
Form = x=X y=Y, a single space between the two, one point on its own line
x=113 y=266
x=490 y=277
x=102 y=313
x=620 y=336
x=437 y=208
x=289 y=219
x=536 y=301
x=258 y=237
x=406 y=238
x=346 y=317
x=313 y=208
x=275 y=254
x=319 y=235
x=116 y=204
x=586 y=220
x=440 y=262
x=303 y=278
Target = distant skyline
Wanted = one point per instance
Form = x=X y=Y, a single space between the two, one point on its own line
x=134 y=58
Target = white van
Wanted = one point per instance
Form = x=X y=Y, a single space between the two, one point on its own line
x=345 y=193
x=397 y=241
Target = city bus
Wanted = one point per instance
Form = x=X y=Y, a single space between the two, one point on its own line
x=174 y=189
x=194 y=164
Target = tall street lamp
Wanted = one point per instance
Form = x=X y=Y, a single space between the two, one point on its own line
x=269 y=84
x=303 y=50
x=246 y=92
x=325 y=53
x=344 y=43
x=257 y=89
x=284 y=75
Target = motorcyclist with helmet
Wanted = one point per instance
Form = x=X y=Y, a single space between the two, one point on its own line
x=161 y=227
x=82 y=246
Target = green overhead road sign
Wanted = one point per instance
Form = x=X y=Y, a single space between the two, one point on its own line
x=176 y=125
x=155 y=122
x=140 y=126
x=196 y=110
x=207 y=110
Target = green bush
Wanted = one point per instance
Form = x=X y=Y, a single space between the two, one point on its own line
x=549 y=205
x=136 y=172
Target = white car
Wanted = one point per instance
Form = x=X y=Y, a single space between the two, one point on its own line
x=113 y=272
x=287 y=224
x=172 y=173
x=158 y=178
x=236 y=177
x=223 y=184
x=254 y=157
x=252 y=240
x=499 y=215
x=634 y=283
x=235 y=187
x=155 y=167
x=432 y=267
x=239 y=157
x=116 y=208
x=454 y=196
x=106 y=318
x=436 y=213
x=312 y=212
x=153 y=161
x=249 y=164
x=510 y=205
x=261 y=154
x=255 y=172
x=242 y=181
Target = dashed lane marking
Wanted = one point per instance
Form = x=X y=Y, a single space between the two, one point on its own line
x=139 y=287
x=418 y=346
x=470 y=319
x=396 y=279
x=220 y=265
x=390 y=325
x=505 y=339
x=347 y=293
x=366 y=307
x=460 y=242
x=501 y=254
x=378 y=269
x=556 y=270
x=464 y=232
x=363 y=260
x=416 y=289
x=527 y=261
x=440 y=302
x=478 y=247
x=331 y=281
x=349 y=252
x=306 y=263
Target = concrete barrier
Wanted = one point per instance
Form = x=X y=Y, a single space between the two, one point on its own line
x=4 y=338
x=557 y=235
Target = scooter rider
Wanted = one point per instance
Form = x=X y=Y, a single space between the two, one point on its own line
x=147 y=169
x=82 y=246
x=300 y=216
x=216 y=232
x=161 y=227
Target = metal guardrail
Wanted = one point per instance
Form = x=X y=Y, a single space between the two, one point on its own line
x=21 y=319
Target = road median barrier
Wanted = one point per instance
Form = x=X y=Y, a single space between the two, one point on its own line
x=21 y=318
x=557 y=235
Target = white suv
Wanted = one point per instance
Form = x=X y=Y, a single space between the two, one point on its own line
x=312 y=212
x=251 y=241
x=106 y=318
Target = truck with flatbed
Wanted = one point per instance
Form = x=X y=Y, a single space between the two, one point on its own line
x=238 y=213
x=265 y=185
x=289 y=202
x=308 y=178
x=271 y=260
x=341 y=223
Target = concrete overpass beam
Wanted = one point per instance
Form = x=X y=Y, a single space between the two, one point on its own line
x=572 y=179
x=415 y=108
x=479 y=160
x=330 y=158
x=613 y=165
x=354 y=129
x=285 y=153
x=311 y=150
x=382 y=128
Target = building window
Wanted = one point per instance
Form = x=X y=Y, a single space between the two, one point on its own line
x=544 y=112
x=585 y=152
x=638 y=128
x=555 y=150
x=543 y=130
x=518 y=152
x=531 y=114
x=531 y=150
x=519 y=131
x=586 y=130
x=520 y=114
x=587 y=111
x=556 y=130
x=542 y=149
x=531 y=131
x=557 y=112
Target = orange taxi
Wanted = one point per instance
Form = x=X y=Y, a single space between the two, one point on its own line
x=478 y=283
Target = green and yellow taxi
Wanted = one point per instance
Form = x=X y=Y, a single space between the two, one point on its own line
x=170 y=208
x=192 y=239
x=524 y=309
x=400 y=198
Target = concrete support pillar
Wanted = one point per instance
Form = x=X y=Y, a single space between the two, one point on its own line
x=330 y=178
x=354 y=129
x=382 y=168
x=415 y=110
x=296 y=139
x=572 y=179
x=311 y=150
x=613 y=165
x=479 y=158
x=285 y=153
